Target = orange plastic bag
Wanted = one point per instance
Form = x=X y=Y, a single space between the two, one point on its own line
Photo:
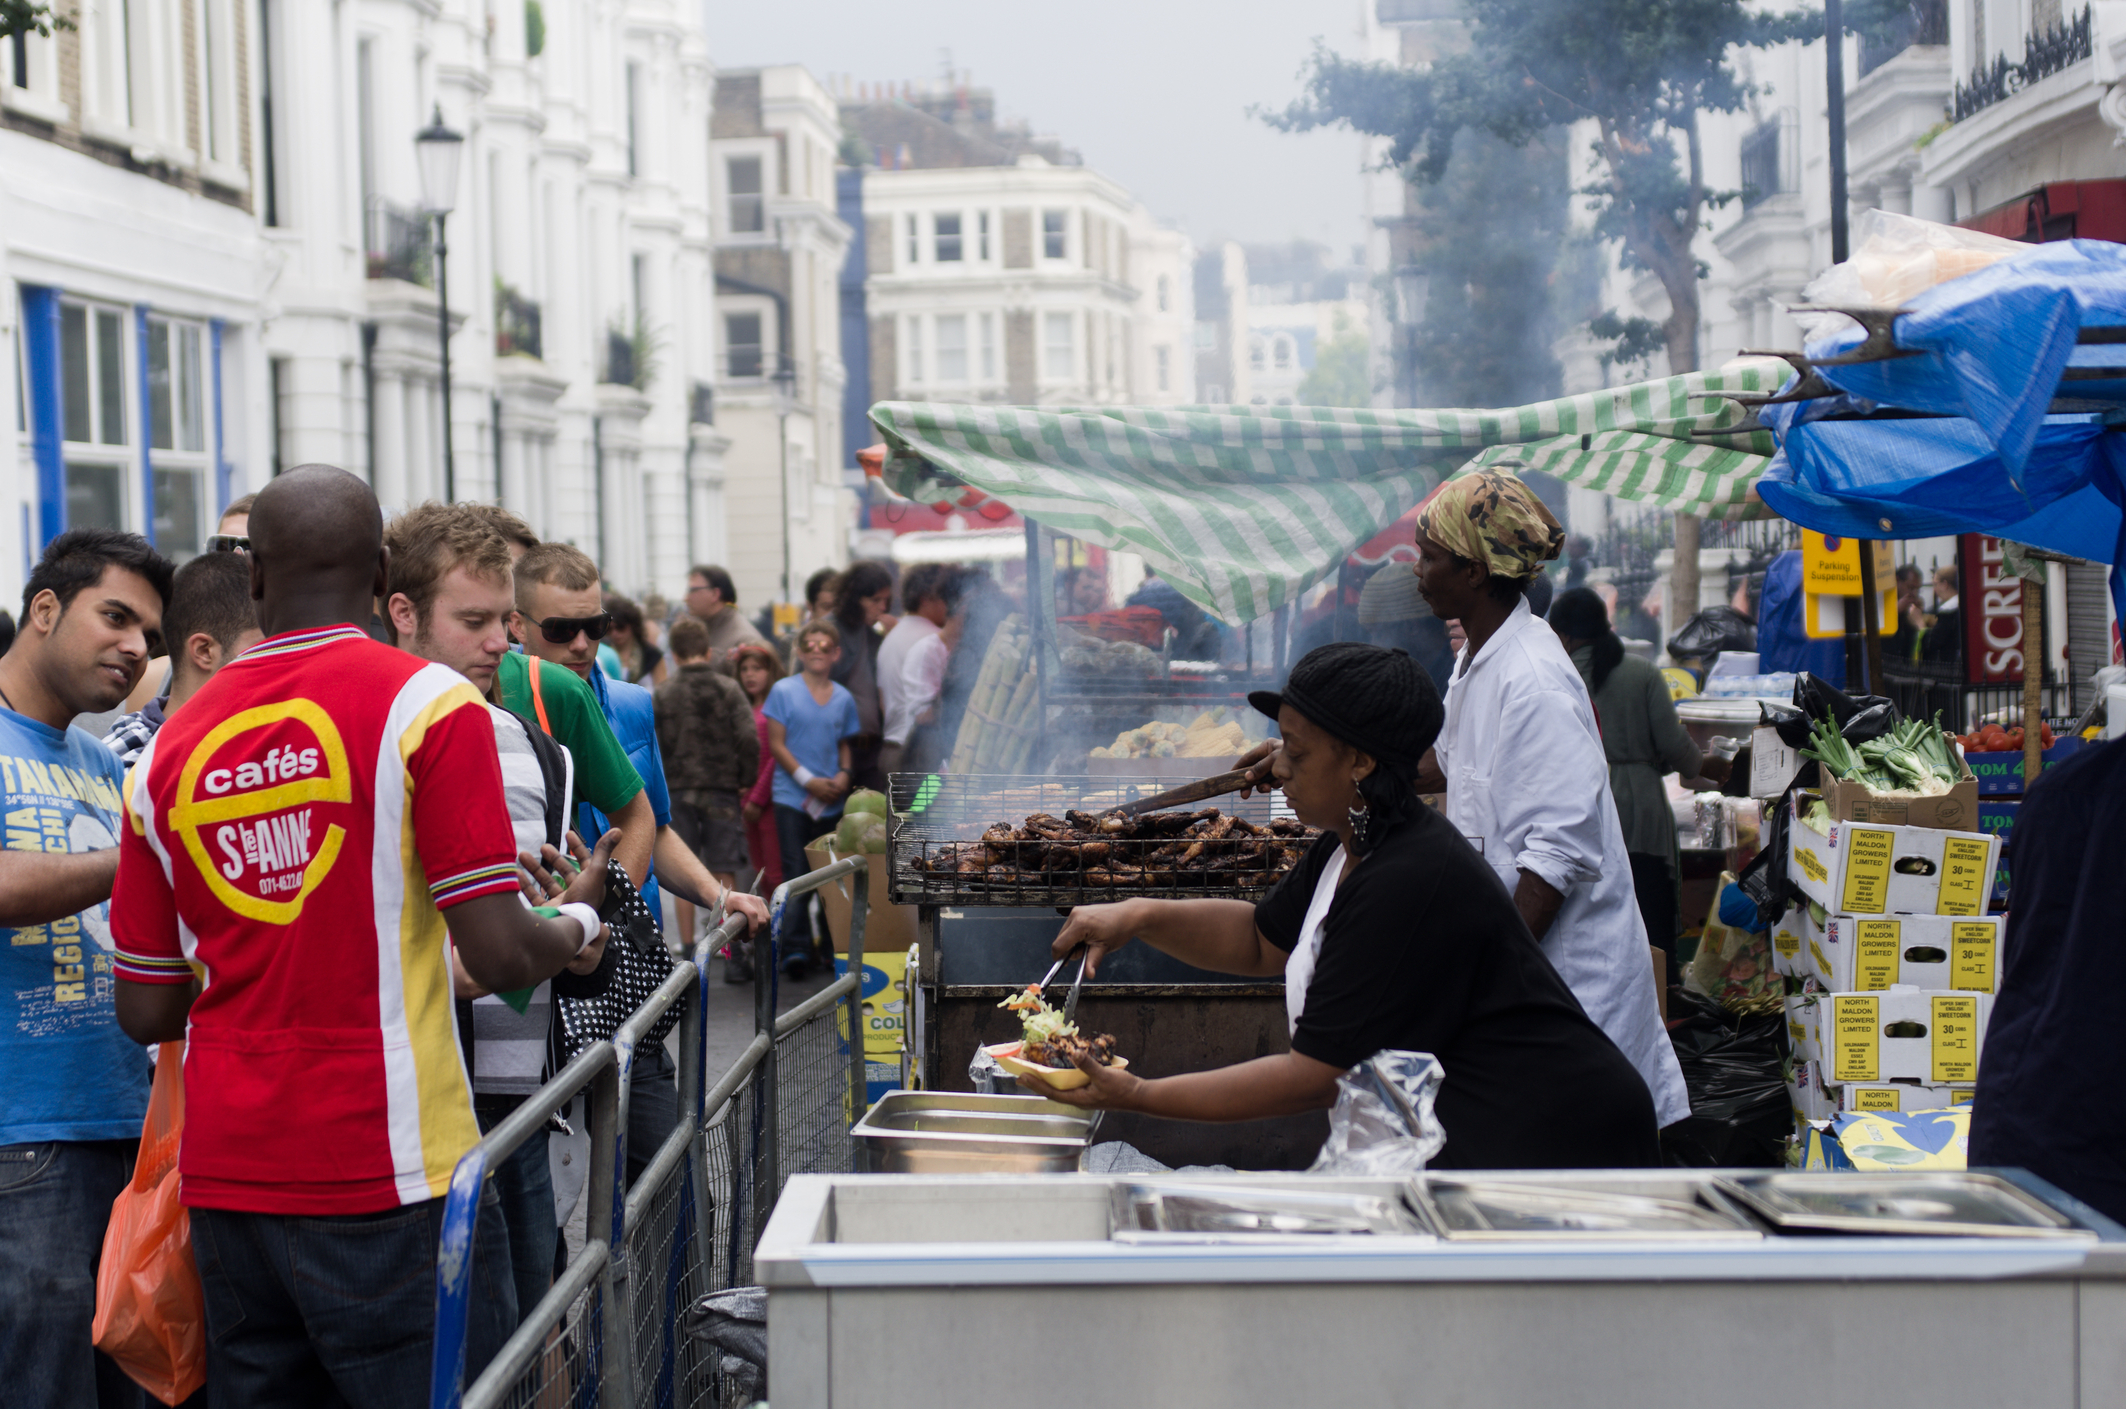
x=151 y=1316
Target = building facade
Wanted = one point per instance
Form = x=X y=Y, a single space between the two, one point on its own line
x=1000 y=269
x=780 y=248
x=131 y=294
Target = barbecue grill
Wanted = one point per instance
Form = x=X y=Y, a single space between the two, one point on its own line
x=985 y=936
x=939 y=857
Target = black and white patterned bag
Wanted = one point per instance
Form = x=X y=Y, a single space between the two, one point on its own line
x=641 y=964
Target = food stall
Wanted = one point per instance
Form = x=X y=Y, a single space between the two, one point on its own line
x=1613 y=1288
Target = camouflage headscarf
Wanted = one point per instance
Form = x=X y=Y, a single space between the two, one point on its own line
x=1489 y=517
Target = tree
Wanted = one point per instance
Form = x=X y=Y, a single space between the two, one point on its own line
x=30 y=17
x=1488 y=235
x=1339 y=374
x=1640 y=70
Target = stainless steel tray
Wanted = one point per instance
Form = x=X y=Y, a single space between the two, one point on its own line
x=1543 y=1209
x=966 y=1132
x=1943 y=1204
x=1167 y=1212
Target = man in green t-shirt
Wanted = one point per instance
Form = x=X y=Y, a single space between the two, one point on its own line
x=565 y=707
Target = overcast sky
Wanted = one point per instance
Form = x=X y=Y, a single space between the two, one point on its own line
x=1154 y=93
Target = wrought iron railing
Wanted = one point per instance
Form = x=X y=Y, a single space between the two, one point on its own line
x=398 y=243
x=517 y=324
x=1922 y=22
x=2054 y=51
x=1761 y=168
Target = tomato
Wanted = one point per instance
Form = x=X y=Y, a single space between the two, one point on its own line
x=2044 y=734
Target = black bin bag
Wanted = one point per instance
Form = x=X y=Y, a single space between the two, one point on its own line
x=1739 y=1112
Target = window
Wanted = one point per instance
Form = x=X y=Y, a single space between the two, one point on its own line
x=948 y=238
x=952 y=347
x=365 y=117
x=915 y=349
x=1255 y=353
x=1163 y=357
x=1162 y=293
x=741 y=344
x=748 y=207
x=989 y=347
x=217 y=80
x=269 y=83
x=1059 y=347
x=1052 y=240
x=1206 y=336
x=634 y=119
x=981 y=228
x=1282 y=353
x=177 y=424
x=94 y=417
x=915 y=243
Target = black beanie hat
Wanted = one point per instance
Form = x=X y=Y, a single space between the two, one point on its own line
x=1376 y=700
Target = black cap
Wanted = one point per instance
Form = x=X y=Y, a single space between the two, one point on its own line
x=1376 y=700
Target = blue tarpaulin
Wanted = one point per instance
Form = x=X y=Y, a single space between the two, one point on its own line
x=1992 y=349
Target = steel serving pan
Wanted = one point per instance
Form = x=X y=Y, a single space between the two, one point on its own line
x=1947 y=1203
x=967 y=1132
x=1524 y=1210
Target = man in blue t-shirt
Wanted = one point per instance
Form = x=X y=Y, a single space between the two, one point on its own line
x=73 y=1087
x=810 y=723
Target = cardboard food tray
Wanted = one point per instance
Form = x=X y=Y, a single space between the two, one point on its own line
x=1061 y=1078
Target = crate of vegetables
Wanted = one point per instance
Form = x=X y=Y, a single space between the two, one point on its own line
x=1995 y=756
x=1907 y=775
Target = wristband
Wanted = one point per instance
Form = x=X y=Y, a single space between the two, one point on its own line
x=587 y=919
x=803 y=775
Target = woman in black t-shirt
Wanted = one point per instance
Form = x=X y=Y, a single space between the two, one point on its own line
x=1391 y=932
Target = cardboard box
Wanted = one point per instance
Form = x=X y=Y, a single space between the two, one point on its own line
x=1861 y=869
x=1790 y=942
x=1772 y=764
x=888 y=928
x=1952 y=811
x=1889 y=1141
x=1804 y=1027
x=1811 y=1099
x=1863 y=954
x=1903 y=1034
x=1898 y=1096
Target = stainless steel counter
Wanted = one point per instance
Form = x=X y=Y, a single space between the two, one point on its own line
x=950 y=1291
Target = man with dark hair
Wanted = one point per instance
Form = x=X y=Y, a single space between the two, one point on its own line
x=317 y=834
x=711 y=755
x=712 y=599
x=210 y=623
x=447 y=600
x=76 y=1089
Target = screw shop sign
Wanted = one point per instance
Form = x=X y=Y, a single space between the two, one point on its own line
x=1992 y=603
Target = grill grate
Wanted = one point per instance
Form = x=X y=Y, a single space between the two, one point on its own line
x=939 y=854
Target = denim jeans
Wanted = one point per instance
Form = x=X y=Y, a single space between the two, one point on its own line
x=332 y=1311
x=525 y=1184
x=55 y=1202
x=792 y=830
x=652 y=1107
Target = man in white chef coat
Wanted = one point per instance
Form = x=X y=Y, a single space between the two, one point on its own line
x=1520 y=761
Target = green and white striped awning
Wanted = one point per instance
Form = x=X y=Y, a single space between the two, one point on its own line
x=1244 y=507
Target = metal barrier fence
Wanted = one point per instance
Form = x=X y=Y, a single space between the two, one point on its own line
x=610 y=1333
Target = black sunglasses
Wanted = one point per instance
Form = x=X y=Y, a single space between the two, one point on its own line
x=228 y=543
x=560 y=630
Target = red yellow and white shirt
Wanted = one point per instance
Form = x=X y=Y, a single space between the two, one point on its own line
x=293 y=835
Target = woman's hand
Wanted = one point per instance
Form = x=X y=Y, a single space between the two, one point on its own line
x=1258 y=761
x=1111 y=1088
x=1105 y=928
x=752 y=813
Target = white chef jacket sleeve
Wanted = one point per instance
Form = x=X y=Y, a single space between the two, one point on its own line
x=1549 y=785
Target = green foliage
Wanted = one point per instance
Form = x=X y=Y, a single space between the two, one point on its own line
x=1488 y=236
x=1636 y=339
x=1641 y=70
x=1339 y=377
x=645 y=352
x=534 y=29
x=30 y=17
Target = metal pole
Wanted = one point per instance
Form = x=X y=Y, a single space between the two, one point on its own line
x=1870 y=613
x=1834 y=98
x=450 y=464
x=767 y=1125
x=782 y=435
x=603 y=1196
x=859 y=910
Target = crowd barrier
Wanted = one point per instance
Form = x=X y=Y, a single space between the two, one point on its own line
x=610 y=1332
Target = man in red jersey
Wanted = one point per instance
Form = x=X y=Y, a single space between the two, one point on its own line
x=295 y=838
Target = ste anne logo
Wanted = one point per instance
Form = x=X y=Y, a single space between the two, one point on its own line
x=245 y=807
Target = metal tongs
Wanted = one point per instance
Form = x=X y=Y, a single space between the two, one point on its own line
x=1070 y=1004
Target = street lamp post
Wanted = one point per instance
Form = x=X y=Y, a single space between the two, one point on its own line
x=439 y=149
